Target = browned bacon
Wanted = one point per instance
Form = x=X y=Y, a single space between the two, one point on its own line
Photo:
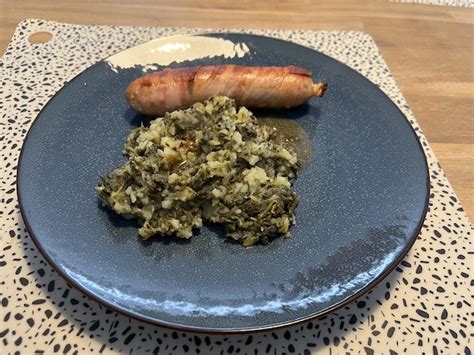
x=270 y=87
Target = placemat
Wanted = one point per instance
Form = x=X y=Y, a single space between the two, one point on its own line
x=424 y=305
x=455 y=3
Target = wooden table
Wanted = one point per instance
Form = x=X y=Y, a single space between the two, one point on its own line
x=429 y=50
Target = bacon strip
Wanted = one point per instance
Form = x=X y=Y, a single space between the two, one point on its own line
x=270 y=87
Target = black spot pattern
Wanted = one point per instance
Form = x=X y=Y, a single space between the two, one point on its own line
x=456 y=3
x=423 y=306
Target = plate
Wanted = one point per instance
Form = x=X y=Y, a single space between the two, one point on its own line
x=363 y=198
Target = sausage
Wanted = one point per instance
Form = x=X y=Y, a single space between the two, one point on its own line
x=269 y=87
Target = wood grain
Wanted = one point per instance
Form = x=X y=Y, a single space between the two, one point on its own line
x=429 y=50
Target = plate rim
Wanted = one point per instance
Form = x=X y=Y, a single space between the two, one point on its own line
x=231 y=330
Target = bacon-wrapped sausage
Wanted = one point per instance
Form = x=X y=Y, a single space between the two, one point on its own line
x=270 y=87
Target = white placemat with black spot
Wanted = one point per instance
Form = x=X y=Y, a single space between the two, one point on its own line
x=425 y=305
x=455 y=3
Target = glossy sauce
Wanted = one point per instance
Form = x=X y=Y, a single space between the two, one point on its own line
x=292 y=135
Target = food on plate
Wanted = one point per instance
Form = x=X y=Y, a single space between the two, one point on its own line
x=212 y=162
x=269 y=87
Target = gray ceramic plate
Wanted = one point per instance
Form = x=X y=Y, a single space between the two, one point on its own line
x=363 y=198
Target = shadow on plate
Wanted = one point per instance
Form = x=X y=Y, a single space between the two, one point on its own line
x=116 y=219
x=165 y=240
x=293 y=113
x=136 y=119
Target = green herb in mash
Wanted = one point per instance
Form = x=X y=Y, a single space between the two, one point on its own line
x=212 y=162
